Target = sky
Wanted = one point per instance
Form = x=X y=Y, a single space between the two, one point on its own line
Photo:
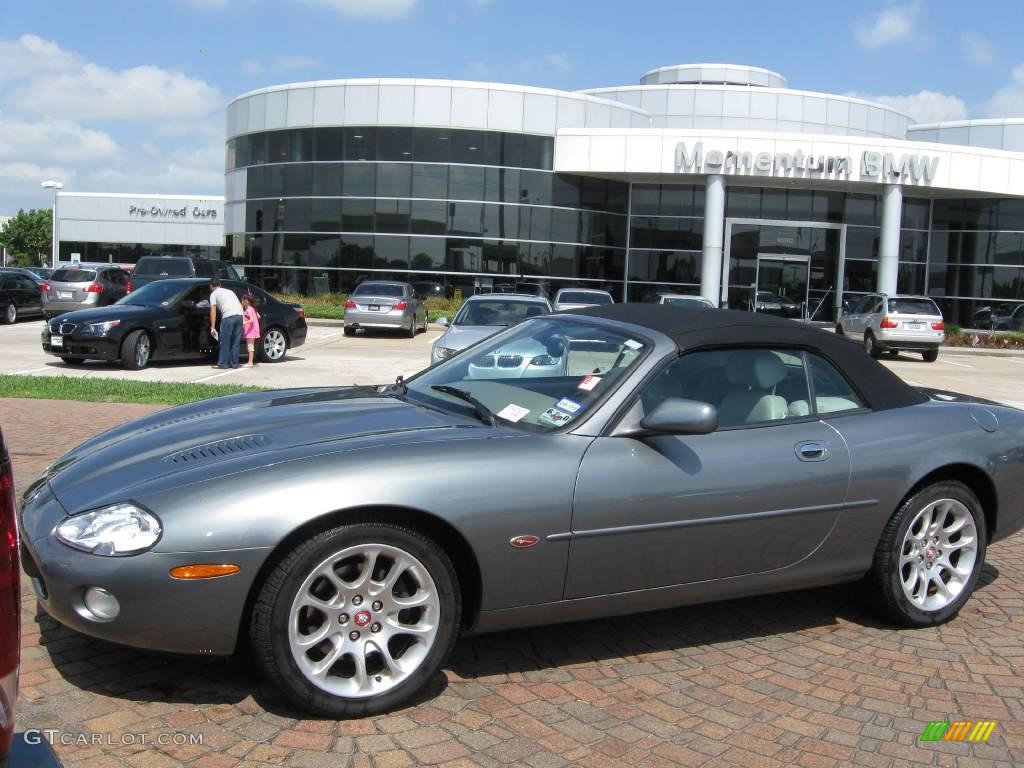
x=115 y=96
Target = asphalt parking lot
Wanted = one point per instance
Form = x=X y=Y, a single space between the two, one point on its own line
x=808 y=678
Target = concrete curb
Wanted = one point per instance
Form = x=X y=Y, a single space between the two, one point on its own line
x=968 y=351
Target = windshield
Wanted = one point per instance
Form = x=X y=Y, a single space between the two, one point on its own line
x=684 y=301
x=913 y=307
x=73 y=276
x=163 y=267
x=498 y=312
x=584 y=297
x=378 y=289
x=161 y=293
x=541 y=375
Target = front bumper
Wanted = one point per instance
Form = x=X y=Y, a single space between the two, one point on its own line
x=394 y=319
x=91 y=347
x=156 y=612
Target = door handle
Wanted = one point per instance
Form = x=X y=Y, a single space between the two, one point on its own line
x=812 y=450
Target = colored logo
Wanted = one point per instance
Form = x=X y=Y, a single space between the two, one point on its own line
x=362 y=618
x=958 y=730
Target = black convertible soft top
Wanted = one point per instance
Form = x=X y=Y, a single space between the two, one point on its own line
x=692 y=328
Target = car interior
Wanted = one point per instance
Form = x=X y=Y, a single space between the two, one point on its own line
x=750 y=386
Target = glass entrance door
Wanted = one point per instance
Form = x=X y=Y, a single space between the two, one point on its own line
x=782 y=283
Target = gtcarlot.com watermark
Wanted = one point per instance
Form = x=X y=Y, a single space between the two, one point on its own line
x=54 y=737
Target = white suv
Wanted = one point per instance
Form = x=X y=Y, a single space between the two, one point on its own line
x=893 y=324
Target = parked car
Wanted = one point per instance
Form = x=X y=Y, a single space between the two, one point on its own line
x=358 y=530
x=20 y=296
x=31 y=274
x=482 y=316
x=150 y=268
x=72 y=288
x=385 y=304
x=167 y=320
x=683 y=300
x=893 y=324
x=770 y=303
x=1013 y=320
x=43 y=273
x=578 y=298
x=428 y=289
x=10 y=603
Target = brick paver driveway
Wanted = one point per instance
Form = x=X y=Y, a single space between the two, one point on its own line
x=807 y=678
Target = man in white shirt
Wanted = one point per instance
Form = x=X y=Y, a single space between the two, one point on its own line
x=230 y=333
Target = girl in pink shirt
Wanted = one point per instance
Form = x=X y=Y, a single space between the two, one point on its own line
x=250 y=327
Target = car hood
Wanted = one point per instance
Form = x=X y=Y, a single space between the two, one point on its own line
x=458 y=337
x=201 y=441
x=102 y=314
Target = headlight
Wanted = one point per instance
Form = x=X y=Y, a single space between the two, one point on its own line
x=120 y=529
x=100 y=328
x=443 y=353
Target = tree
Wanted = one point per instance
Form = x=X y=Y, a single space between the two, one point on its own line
x=27 y=237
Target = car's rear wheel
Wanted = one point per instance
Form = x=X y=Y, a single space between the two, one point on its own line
x=350 y=331
x=11 y=314
x=894 y=353
x=930 y=556
x=930 y=355
x=136 y=350
x=871 y=346
x=839 y=330
x=355 y=620
x=273 y=346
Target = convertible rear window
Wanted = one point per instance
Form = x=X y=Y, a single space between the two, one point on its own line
x=914 y=307
x=73 y=276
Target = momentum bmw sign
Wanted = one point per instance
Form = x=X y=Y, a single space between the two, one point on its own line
x=880 y=166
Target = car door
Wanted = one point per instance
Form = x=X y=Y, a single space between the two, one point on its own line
x=29 y=294
x=181 y=327
x=760 y=493
x=853 y=322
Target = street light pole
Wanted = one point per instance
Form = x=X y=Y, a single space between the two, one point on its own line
x=55 y=186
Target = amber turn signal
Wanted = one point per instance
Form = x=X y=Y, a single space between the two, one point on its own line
x=204 y=571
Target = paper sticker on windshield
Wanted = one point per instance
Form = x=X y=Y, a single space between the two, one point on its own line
x=633 y=344
x=555 y=417
x=512 y=412
x=589 y=382
x=567 y=405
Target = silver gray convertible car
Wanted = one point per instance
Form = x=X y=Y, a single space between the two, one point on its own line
x=612 y=460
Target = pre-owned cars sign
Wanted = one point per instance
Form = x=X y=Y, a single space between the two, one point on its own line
x=158 y=212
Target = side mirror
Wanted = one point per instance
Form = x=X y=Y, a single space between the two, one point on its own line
x=187 y=305
x=443 y=322
x=676 y=416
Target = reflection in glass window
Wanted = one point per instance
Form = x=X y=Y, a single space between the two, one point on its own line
x=359 y=180
x=277 y=147
x=361 y=143
x=468 y=147
x=504 y=149
x=501 y=221
x=465 y=218
x=394 y=179
x=432 y=145
x=297 y=212
x=327 y=179
x=357 y=251
x=430 y=181
x=357 y=215
x=330 y=144
x=326 y=215
x=502 y=185
x=391 y=252
x=392 y=216
x=300 y=145
x=538 y=152
x=466 y=183
x=298 y=179
x=426 y=253
x=394 y=143
x=428 y=217
x=324 y=251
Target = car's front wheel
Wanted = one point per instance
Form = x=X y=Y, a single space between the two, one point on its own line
x=930 y=556
x=274 y=345
x=11 y=314
x=357 y=619
x=136 y=350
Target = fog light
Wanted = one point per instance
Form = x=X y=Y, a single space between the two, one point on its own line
x=101 y=604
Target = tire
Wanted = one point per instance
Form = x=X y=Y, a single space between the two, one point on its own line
x=930 y=356
x=410 y=332
x=273 y=345
x=839 y=330
x=11 y=314
x=279 y=622
x=871 y=346
x=136 y=351
x=73 y=360
x=350 y=331
x=950 y=502
x=894 y=353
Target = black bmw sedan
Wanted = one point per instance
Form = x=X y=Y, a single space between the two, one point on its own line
x=167 y=320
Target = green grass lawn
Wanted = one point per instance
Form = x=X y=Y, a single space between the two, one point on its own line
x=113 y=390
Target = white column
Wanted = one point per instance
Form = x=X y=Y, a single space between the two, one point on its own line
x=714 y=224
x=889 y=241
x=55 y=238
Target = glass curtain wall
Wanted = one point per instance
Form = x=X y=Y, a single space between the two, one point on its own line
x=472 y=211
x=129 y=253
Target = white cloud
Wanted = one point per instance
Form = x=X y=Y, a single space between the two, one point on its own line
x=1008 y=101
x=924 y=106
x=895 y=24
x=278 y=64
x=978 y=48
x=547 y=63
x=61 y=140
x=368 y=9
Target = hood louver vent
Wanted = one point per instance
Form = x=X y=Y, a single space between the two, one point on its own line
x=183 y=419
x=231 y=446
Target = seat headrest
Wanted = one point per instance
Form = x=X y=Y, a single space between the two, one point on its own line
x=762 y=370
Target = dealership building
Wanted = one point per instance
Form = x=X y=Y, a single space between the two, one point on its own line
x=705 y=178
x=121 y=228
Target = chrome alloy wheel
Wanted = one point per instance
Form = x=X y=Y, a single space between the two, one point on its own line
x=363 y=620
x=142 y=351
x=274 y=345
x=938 y=554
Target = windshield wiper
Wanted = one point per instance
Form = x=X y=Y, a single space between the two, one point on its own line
x=482 y=411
